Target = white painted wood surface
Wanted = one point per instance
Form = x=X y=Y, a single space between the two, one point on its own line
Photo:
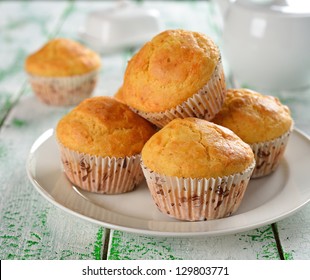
x=32 y=228
x=250 y=245
x=294 y=231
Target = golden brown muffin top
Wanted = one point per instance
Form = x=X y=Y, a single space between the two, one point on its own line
x=254 y=117
x=196 y=148
x=102 y=126
x=61 y=58
x=168 y=70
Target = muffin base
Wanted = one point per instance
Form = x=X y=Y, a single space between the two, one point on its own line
x=204 y=104
x=196 y=199
x=106 y=175
x=269 y=154
x=63 y=91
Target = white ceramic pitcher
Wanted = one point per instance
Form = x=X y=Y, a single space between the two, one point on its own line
x=267 y=42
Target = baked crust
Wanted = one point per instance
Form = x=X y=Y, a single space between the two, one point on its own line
x=102 y=126
x=169 y=69
x=62 y=58
x=254 y=117
x=196 y=148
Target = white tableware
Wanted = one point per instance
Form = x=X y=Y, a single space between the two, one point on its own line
x=266 y=200
x=121 y=26
x=267 y=42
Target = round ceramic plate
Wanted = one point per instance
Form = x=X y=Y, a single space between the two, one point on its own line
x=266 y=200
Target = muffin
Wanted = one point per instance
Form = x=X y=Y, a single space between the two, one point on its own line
x=262 y=122
x=63 y=72
x=177 y=74
x=197 y=170
x=100 y=142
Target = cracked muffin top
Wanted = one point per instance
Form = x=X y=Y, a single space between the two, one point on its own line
x=196 y=148
x=61 y=58
x=102 y=126
x=168 y=70
x=254 y=117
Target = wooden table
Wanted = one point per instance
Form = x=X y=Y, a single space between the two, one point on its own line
x=33 y=228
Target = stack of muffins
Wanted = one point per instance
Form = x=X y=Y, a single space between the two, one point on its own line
x=198 y=143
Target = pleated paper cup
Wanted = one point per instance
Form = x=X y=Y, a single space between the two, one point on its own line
x=268 y=154
x=106 y=175
x=204 y=104
x=63 y=91
x=197 y=199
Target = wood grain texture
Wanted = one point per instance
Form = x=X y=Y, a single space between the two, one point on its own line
x=255 y=244
x=24 y=28
x=294 y=234
x=31 y=227
x=294 y=231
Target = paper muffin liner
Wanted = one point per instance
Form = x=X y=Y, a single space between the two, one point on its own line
x=269 y=154
x=63 y=91
x=204 y=104
x=196 y=199
x=106 y=175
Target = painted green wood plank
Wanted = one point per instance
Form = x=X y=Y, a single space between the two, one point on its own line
x=47 y=232
x=294 y=234
x=256 y=244
x=294 y=231
x=31 y=227
x=21 y=20
x=113 y=64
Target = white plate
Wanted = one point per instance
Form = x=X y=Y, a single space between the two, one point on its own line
x=266 y=200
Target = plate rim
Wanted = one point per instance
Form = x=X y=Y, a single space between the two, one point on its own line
x=50 y=133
